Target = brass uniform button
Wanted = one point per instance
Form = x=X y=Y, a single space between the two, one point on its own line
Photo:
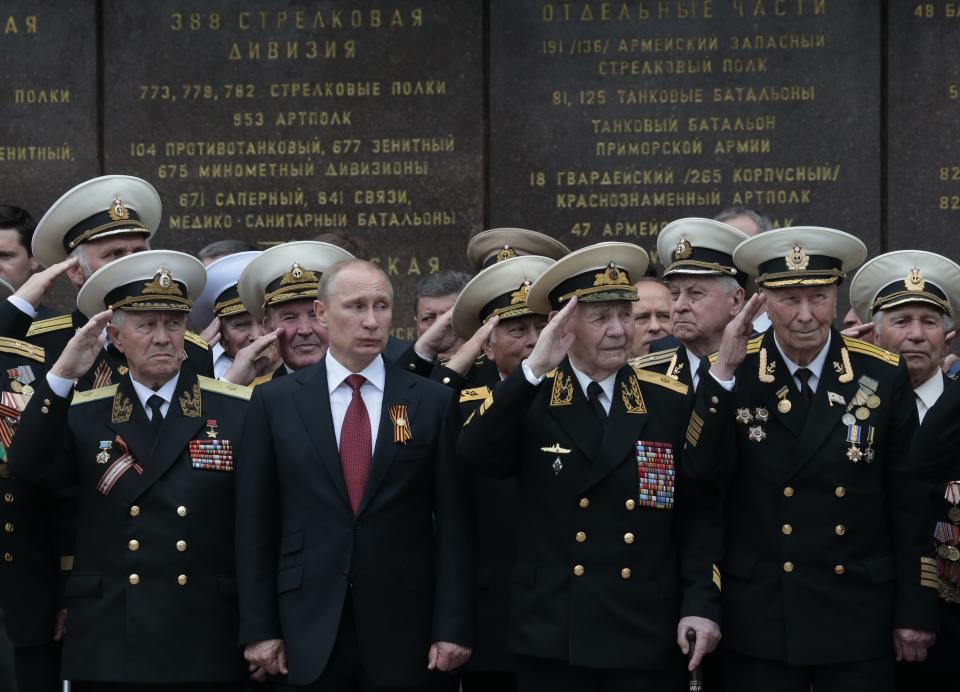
x=46 y=402
x=712 y=409
x=44 y=409
x=8 y=557
x=788 y=491
x=181 y=511
x=134 y=579
x=714 y=400
x=839 y=569
x=840 y=491
x=581 y=536
x=134 y=544
x=181 y=546
x=584 y=503
x=182 y=580
x=625 y=573
x=412 y=366
x=840 y=529
x=631 y=505
x=135 y=511
x=578 y=570
x=8 y=498
x=786 y=529
x=787 y=566
x=628 y=538
x=446 y=380
x=8 y=527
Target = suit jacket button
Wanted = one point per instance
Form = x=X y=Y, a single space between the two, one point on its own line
x=625 y=573
x=584 y=502
x=787 y=566
x=631 y=504
x=182 y=580
x=134 y=544
x=134 y=579
x=181 y=546
x=581 y=536
x=135 y=511
x=628 y=538
x=578 y=570
x=181 y=511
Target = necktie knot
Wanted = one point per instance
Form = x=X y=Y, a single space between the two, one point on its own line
x=155 y=402
x=804 y=375
x=594 y=390
x=356 y=381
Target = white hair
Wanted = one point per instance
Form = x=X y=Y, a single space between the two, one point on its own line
x=729 y=284
x=80 y=252
x=880 y=315
x=118 y=317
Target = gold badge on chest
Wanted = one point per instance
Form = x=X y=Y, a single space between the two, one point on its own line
x=562 y=392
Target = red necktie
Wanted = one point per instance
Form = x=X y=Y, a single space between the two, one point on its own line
x=355 y=444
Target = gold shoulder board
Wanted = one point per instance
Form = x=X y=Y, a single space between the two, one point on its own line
x=662 y=380
x=752 y=347
x=655 y=358
x=93 y=395
x=21 y=348
x=474 y=394
x=858 y=346
x=208 y=384
x=195 y=339
x=51 y=324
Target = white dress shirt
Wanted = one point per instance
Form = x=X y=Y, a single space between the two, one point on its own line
x=694 y=367
x=815 y=366
x=341 y=393
x=221 y=361
x=928 y=393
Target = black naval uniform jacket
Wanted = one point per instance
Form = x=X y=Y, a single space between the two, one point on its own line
x=152 y=596
x=602 y=574
x=31 y=530
x=52 y=334
x=672 y=362
x=827 y=544
x=406 y=557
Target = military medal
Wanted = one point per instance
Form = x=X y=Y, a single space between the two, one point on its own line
x=756 y=433
x=862 y=413
x=848 y=419
x=401 y=424
x=762 y=415
x=854 y=454
x=834 y=398
x=743 y=415
x=103 y=456
x=555 y=448
x=557 y=466
x=656 y=474
x=873 y=401
x=854 y=437
x=784 y=405
x=16 y=386
x=954 y=514
x=212 y=429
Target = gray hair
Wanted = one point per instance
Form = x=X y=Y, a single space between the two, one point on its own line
x=118 y=317
x=222 y=248
x=80 y=252
x=327 y=280
x=763 y=223
x=880 y=315
x=442 y=283
x=730 y=284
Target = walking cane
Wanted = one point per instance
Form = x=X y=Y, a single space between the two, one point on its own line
x=696 y=675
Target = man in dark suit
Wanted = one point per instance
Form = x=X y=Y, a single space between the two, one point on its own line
x=908 y=299
x=152 y=596
x=353 y=546
x=706 y=292
x=828 y=570
x=615 y=553
x=92 y=224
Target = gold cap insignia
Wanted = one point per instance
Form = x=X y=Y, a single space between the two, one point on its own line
x=520 y=295
x=914 y=280
x=683 y=250
x=506 y=252
x=162 y=283
x=797 y=260
x=611 y=276
x=298 y=274
x=117 y=211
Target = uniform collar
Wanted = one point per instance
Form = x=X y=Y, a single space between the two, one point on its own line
x=930 y=391
x=815 y=366
x=165 y=392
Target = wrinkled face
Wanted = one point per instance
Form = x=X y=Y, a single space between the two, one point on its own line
x=700 y=307
x=15 y=264
x=603 y=333
x=105 y=250
x=303 y=341
x=238 y=331
x=651 y=314
x=429 y=309
x=357 y=314
x=801 y=316
x=917 y=333
x=513 y=340
x=153 y=344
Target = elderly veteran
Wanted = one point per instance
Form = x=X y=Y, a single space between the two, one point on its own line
x=615 y=552
x=91 y=225
x=909 y=296
x=151 y=457
x=279 y=288
x=706 y=292
x=828 y=570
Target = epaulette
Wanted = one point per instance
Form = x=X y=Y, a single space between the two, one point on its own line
x=662 y=380
x=474 y=394
x=51 y=324
x=21 y=348
x=93 y=395
x=655 y=358
x=859 y=346
x=196 y=340
x=752 y=347
x=208 y=384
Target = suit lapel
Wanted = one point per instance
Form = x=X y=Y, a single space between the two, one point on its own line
x=569 y=407
x=181 y=424
x=395 y=393
x=312 y=401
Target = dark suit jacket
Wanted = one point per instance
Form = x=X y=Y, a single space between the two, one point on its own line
x=152 y=596
x=406 y=556
x=827 y=549
x=600 y=579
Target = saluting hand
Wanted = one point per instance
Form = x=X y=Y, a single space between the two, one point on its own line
x=82 y=350
x=439 y=337
x=211 y=334
x=250 y=359
x=858 y=331
x=554 y=342
x=468 y=353
x=35 y=288
x=733 y=346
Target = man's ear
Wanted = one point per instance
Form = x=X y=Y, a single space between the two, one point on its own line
x=114 y=335
x=738 y=301
x=34 y=264
x=75 y=274
x=320 y=310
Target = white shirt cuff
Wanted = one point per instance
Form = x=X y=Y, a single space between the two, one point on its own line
x=726 y=384
x=61 y=386
x=23 y=306
x=528 y=373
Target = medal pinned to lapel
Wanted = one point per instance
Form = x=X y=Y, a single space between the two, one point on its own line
x=558 y=450
x=212 y=429
x=401 y=424
x=784 y=405
x=21 y=378
x=756 y=433
x=103 y=456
